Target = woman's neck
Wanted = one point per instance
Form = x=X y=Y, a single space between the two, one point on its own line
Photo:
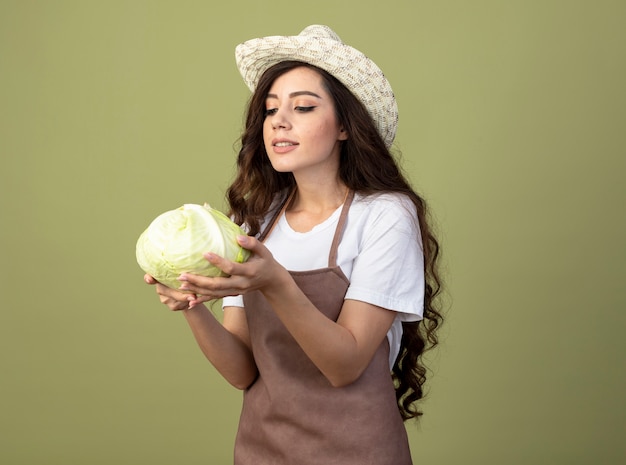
x=312 y=205
x=316 y=198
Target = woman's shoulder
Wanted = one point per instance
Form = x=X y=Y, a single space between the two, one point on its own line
x=387 y=203
x=394 y=210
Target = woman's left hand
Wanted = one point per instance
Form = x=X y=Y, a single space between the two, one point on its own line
x=260 y=271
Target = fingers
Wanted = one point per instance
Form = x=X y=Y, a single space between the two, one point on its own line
x=201 y=286
x=175 y=305
x=214 y=286
x=195 y=289
x=253 y=245
x=172 y=298
x=199 y=299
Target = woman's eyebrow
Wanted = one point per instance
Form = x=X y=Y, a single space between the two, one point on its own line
x=296 y=94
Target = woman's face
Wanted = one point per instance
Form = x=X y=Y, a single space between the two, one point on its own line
x=300 y=131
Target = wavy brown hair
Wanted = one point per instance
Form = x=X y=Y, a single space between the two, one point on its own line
x=367 y=167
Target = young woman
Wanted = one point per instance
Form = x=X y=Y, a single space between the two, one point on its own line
x=325 y=325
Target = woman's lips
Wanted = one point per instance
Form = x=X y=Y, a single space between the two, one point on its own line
x=284 y=146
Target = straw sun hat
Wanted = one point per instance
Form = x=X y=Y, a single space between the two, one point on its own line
x=321 y=47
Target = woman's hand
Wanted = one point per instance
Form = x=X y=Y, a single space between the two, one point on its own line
x=172 y=298
x=260 y=272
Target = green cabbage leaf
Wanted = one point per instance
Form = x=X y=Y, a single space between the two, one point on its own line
x=175 y=241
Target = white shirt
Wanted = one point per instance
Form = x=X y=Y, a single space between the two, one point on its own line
x=380 y=253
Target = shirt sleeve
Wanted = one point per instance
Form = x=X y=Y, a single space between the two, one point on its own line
x=234 y=301
x=389 y=269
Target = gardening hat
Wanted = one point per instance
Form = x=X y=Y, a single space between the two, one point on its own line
x=320 y=46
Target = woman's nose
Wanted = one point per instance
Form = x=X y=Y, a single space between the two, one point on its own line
x=280 y=120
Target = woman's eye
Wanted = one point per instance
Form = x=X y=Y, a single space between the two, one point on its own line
x=305 y=109
x=270 y=111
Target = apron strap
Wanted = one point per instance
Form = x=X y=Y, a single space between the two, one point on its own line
x=274 y=219
x=332 y=257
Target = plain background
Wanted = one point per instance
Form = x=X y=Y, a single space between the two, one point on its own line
x=512 y=118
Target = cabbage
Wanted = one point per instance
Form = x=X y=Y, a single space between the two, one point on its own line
x=175 y=241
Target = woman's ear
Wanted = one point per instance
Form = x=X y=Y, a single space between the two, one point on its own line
x=343 y=134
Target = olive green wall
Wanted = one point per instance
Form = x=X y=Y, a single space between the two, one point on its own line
x=512 y=125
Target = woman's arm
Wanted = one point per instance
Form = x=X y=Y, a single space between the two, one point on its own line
x=226 y=345
x=341 y=350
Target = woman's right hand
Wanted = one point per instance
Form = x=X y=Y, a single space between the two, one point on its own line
x=174 y=299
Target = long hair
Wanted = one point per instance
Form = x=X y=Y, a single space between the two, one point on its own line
x=367 y=167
